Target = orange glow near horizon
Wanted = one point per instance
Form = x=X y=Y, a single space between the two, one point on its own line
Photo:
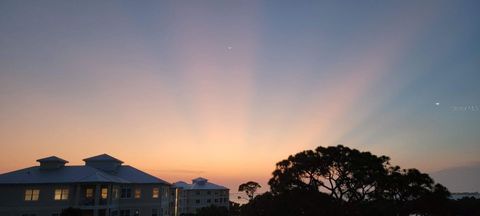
x=192 y=94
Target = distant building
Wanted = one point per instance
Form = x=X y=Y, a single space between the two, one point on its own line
x=187 y=198
x=457 y=196
x=102 y=187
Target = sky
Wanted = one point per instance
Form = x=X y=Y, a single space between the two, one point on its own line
x=225 y=89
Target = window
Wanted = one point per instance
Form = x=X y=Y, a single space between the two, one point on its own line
x=61 y=194
x=197 y=201
x=154 y=212
x=55 y=214
x=155 y=192
x=216 y=200
x=198 y=192
x=32 y=194
x=104 y=193
x=208 y=200
x=125 y=212
x=136 y=212
x=89 y=193
x=138 y=193
x=126 y=193
x=115 y=193
x=209 y=192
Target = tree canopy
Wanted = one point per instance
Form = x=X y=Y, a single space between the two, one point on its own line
x=351 y=182
x=249 y=188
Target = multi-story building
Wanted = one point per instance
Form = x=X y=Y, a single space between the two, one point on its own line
x=102 y=187
x=459 y=196
x=187 y=198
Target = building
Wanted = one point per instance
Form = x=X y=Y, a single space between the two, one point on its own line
x=458 y=196
x=187 y=198
x=101 y=187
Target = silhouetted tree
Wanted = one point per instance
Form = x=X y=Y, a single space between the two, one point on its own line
x=212 y=211
x=249 y=188
x=467 y=206
x=359 y=182
x=234 y=209
x=344 y=173
x=294 y=202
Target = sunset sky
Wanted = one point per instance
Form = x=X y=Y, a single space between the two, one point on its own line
x=225 y=89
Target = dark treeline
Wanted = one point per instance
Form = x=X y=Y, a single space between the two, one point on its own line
x=342 y=181
x=339 y=180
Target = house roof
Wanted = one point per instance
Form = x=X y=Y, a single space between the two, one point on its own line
x=52 y=159
x=78 y=174
x=102 y=157
x=205 y=185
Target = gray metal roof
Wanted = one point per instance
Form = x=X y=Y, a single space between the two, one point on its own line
x=52 y=159
x=196 y=186
x=79 y=174
x=102 y=157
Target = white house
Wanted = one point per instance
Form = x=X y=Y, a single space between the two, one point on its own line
x=201 y=193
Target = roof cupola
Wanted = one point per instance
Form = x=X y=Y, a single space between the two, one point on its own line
x=103 y=162
x=52 y=162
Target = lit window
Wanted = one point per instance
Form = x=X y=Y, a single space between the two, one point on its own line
x=138 y=193
x=155 y=192
x=104 y=193
x=61 y=194
x=89 y=193
x=32 y=194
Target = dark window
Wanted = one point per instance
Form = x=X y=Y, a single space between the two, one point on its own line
x=208 y=200
x=208 y=192
x=154 y=212
x=198 y=192
x=197 y=201
x=125 y=212
x=216 y=200
x=126 y=193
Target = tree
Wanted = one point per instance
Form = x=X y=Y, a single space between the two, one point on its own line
x=344 y=173
x=234 y=209
x=212 y=211
x=360 y=182
x=249 y=188
x=294 y=202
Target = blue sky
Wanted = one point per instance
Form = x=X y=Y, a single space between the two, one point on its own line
x=216 y=82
